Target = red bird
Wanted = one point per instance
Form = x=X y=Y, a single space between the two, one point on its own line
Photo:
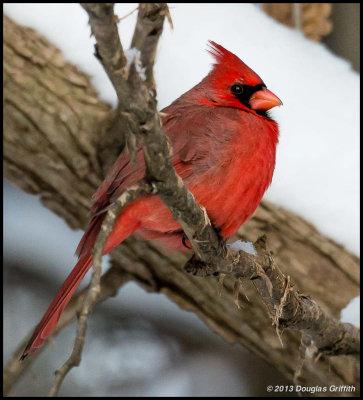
x=224 y=146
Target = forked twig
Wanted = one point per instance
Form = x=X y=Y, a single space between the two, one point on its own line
x=141 y=188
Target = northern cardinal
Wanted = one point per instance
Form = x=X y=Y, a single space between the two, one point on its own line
x=224 y=146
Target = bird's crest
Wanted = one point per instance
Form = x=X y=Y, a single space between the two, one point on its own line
x=227 y=62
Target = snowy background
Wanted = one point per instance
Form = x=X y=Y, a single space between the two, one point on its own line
x=168 y=351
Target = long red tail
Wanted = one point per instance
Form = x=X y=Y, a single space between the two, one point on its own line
x=52 y=315
x=124 y=227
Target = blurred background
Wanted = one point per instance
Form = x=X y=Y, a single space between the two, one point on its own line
x=343 y=38
x=150 y=347
x=335 y=24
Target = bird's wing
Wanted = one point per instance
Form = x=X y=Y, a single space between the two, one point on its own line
x=190 y=145
x=192 y=133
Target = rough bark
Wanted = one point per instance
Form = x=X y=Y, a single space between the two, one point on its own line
x=57 y=136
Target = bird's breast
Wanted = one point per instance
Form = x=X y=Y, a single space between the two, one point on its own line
x=239 y=175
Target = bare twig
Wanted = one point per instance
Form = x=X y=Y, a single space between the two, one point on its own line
x=287 y=307
x=149 y=27
x=109 y=50
x=119 y=19
x=110 y=53
x=94 y=290
x=111 y=281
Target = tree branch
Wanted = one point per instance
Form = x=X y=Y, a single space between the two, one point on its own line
x=109 y=51
x=149 y=26
x=94 y=289
x=286 y=305
x=31 y=163
x=110 y=283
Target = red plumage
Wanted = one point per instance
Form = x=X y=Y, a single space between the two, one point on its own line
x=224 y=146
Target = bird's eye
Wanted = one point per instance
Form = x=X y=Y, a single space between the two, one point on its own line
x=237 y=89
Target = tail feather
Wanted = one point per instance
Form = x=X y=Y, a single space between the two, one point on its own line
x=125 y=226
x=89 y=237
x=52 y=315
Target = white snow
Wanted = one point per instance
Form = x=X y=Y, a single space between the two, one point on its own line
x=133 y=56
x=248 y=247
x=317 y=168
x=351 y=313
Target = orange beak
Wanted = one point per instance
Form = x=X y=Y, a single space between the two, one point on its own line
x=264 y=100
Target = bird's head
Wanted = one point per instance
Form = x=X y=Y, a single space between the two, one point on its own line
x=231 y=83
